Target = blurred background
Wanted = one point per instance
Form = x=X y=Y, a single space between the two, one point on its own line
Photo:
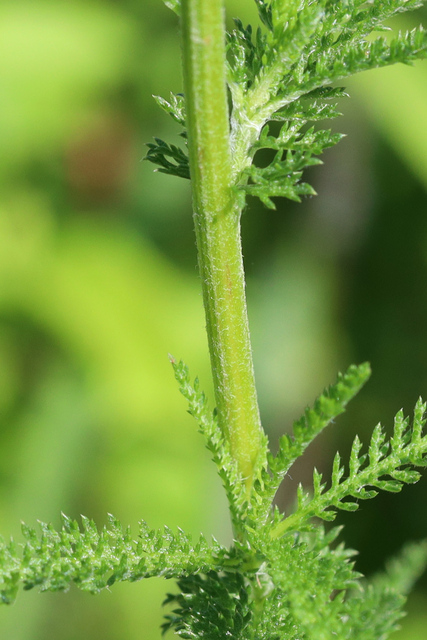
x=98 y=282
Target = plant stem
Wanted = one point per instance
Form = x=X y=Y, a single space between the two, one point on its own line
x=217 y=223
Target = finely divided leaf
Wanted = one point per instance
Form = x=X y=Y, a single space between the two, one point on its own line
x=274 y=72
x=213 y=606
x=295 y=151
x=215 y=442
x=387 y=466
x=171 y=159
x=330 y=404
x=175 y=107
x=374 y=612
x=305 y=48
x=94 y=560
x=278 y=180
x=264 y=10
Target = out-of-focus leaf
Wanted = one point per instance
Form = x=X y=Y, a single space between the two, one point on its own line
x=396 y=100
x=55 y=59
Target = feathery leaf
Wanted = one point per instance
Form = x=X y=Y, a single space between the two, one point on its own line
x=94 y=560
x=387 y=467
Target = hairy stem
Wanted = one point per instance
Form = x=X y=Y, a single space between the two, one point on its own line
x=217 y=223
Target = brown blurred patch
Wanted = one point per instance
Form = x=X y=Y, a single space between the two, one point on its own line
x=99 y=160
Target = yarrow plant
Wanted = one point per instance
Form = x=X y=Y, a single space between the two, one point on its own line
x=285 y=577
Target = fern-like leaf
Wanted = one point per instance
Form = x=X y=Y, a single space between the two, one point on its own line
x=330 y=404
x=212 y=606
x=218 y=446
x=315 y=593
x=375 y=610
x=175 y=107
x=169 y=158
x=94 y=560
x=307 y=48
x=387 y=466
x=275 y=71
x=295 y=152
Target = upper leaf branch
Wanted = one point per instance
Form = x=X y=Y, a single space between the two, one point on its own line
x=300 y=51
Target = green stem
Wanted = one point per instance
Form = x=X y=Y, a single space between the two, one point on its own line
x=217 y=222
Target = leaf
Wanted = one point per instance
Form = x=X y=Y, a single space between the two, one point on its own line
x=175 y=5
x=328 y=406
x=171 y=159
x=374 y=611
x=211 y=606
x=245 y=55
x=218 y=446
x=273 y=74
x=277 y=180
x=175 y=107
x=94 y=560
x=264 y=10
x=295 y=152
x=387 y=467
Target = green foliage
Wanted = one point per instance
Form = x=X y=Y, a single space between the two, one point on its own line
x=210 y=606
x=304 y=587
x=216 y=443
x=293 y=153
x=297 y=582
x=94 y=560
x=377 y=608
x=170 y=158
x=283 y=573
x=330 y=404
x=386 y=466
x=284 y=71
x=285 y=577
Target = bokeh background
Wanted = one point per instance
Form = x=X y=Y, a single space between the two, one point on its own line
x=98 y=282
